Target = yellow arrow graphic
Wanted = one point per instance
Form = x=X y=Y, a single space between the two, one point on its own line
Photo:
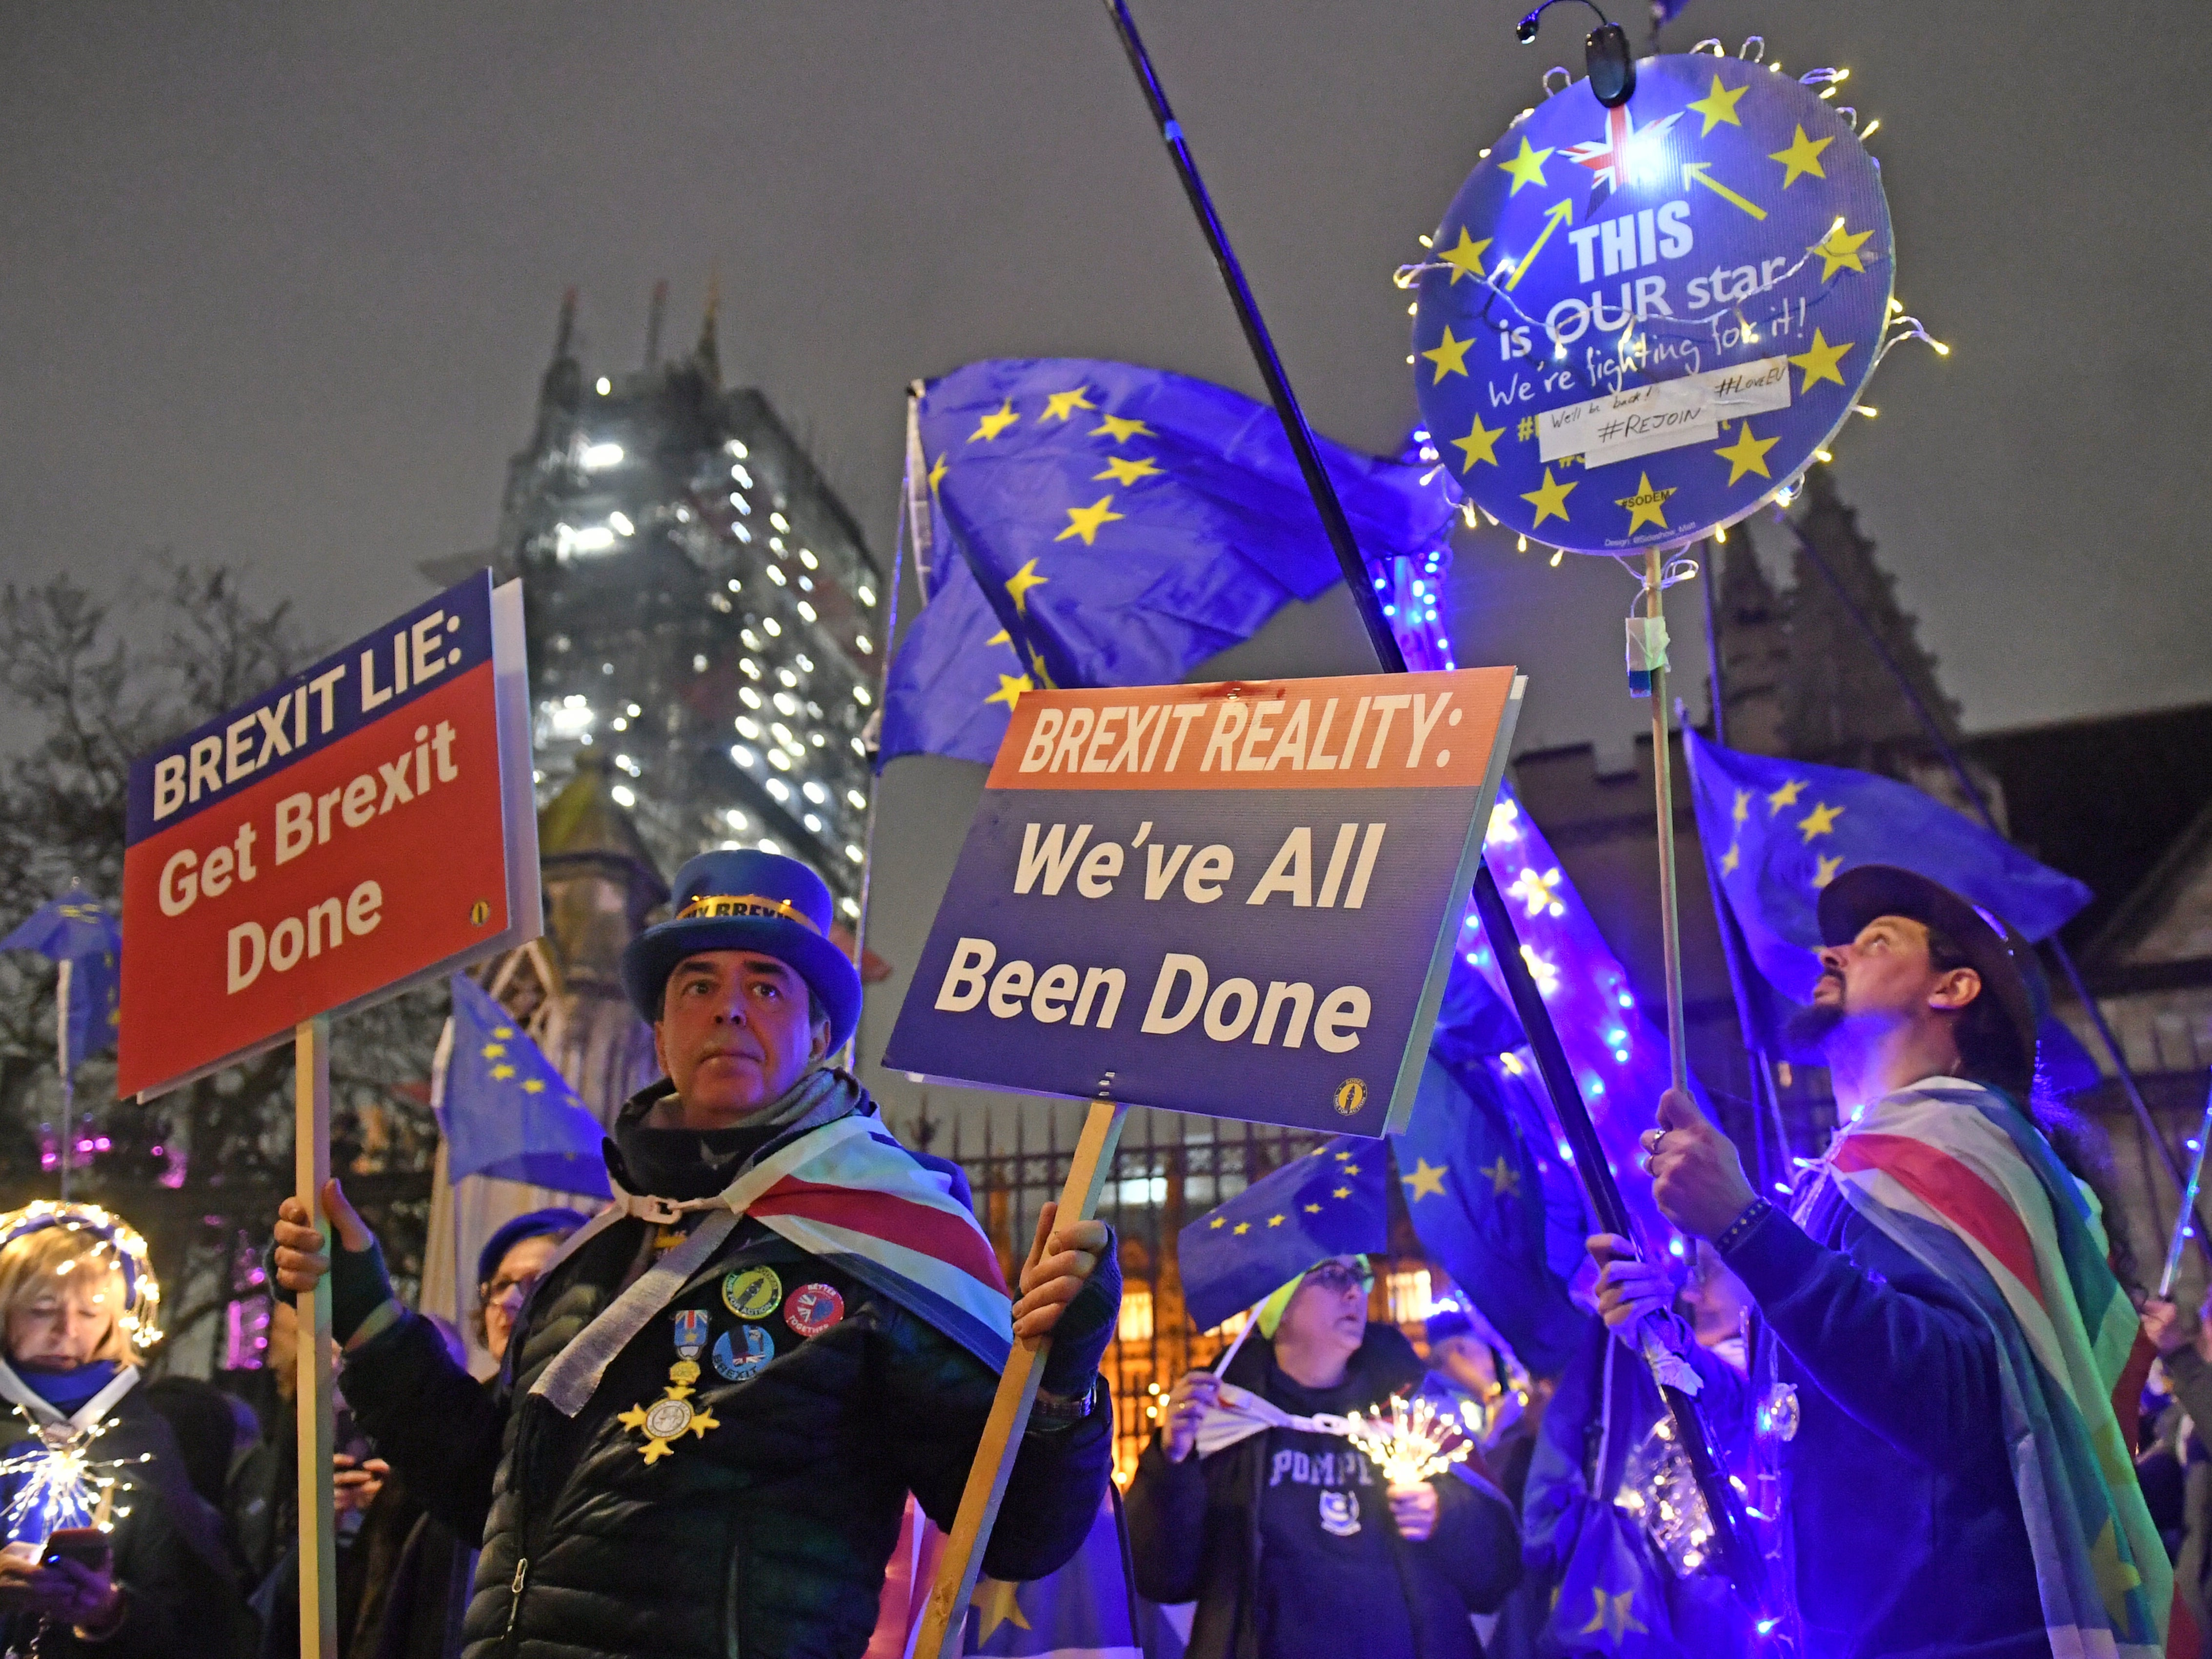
x=1559 y=213
x=1693 y=172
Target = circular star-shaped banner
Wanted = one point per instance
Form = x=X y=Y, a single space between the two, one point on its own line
x=1639 y=323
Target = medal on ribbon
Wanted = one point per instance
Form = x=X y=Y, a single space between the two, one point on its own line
x=673 y=1416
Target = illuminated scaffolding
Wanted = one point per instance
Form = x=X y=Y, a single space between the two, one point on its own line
x=702 y=610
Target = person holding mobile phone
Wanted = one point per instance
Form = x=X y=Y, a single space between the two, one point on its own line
x=107 y=1546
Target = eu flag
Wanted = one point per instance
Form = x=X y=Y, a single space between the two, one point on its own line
x=1084 y=1611
x=955 y=679
x=1329 y=1202
x=1124 y=523
x=77 y=931
x=507 y=1111
x=1491 y=1208
x=1776 y=832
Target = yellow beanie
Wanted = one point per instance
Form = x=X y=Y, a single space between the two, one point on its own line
x=1271 y=1311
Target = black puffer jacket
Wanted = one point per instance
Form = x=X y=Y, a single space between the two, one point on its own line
x=1195 y=1532
x=768 y=1535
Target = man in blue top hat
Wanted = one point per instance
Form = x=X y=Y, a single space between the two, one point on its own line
x=718 y=1395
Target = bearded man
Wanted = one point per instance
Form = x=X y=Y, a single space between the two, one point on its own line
x=1937 y=1334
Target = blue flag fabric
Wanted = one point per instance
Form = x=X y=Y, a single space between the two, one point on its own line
x=1474 y=1173
x=955 y=679
x=1084 y=1611
x=1329 y=1202
x=77 y=929
x=1776 y=831
x=507 y=1111
x=1126 y=523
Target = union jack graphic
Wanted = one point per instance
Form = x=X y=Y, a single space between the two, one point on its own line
x=1615 y=159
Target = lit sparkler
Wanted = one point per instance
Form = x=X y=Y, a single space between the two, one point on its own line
x=63 y=1486
x=1412 y=1444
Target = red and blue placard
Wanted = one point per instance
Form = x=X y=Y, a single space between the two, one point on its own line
x=362 y=825
x=1639 y=323
x=1238 y=899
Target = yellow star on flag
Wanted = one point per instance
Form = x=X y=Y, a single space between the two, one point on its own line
x=1121 y=430
x=1352 y=1168
x=1086 y=521
x=1647 y=505
x=1803 y=156
x=1341 y=1191
x=1313 y=1209
x=1000 y=638
x=1242 y=1228
x=1018 y=586
x=1129 y=471
x=1820 y=363
x=995 y=422
x=2115 y=1577
x=1466 y=259
x=1837 y=250
x=535 y=1085
x=492 y=1050
x=1826 y=873
x=995 y=1600
x=1217 y=1221
x=1277 y=1220
x=1785 y=796
x=1061 y=406
x=1449 y=355
x=1742 y=805
x=1011 y=687
x=502 y=1072
x=1821 y=821
x=937 y=472
x=1504 y=1177
x=1731 y=859
x=1427 y=1180
x=1613 y=1615
x=1480 y=444
x=1527 y=168
x=1719 y=105
x=1038 y=668
x=1550 y=502
x=1746 y=453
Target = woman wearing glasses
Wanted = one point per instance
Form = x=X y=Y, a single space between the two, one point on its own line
x=1251 y=1502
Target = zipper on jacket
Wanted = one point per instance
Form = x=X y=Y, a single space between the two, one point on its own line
x=514 y=1595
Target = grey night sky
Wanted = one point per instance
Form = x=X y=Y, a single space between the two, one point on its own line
x=279 y=281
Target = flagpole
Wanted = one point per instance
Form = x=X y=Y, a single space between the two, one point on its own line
x=63 y=975
x=1663 y=788
x=1745 y=1568
x=1731 y=948
x=1973 y=793
x=907 y=525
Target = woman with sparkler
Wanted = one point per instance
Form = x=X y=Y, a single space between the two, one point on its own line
x=107 y=1546
x=1310 y=1503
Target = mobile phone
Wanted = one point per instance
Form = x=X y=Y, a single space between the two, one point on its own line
x=86 y=1545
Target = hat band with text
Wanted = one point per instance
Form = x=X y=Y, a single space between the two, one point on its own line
x=746 y=905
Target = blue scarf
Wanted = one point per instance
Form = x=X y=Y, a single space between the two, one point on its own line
x=66 y=1390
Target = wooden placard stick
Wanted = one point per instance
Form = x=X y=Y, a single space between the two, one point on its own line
x=946 y=1618
x=311 y=1165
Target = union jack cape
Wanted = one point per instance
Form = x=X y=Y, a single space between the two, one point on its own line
x=1954 y=1175
x=842 y=1190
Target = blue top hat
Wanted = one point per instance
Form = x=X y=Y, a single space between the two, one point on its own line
x=748 y=900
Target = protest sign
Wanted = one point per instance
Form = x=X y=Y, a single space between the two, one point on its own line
x=1638 y=323
x=1232 y=899
x=363 y=826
